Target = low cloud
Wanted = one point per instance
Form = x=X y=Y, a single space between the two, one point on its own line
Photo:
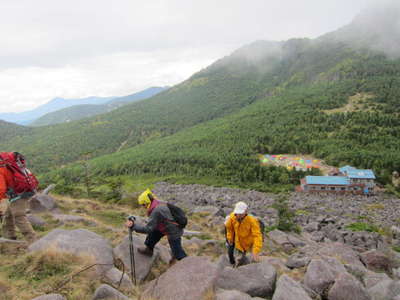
x=79 y=48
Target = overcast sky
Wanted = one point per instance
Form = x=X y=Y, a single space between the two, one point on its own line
x=81 y=48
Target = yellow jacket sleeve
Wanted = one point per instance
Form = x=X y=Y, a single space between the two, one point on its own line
x=230 y=231
x=257 y=236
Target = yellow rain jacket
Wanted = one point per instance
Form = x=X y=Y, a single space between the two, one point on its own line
x=247 y=233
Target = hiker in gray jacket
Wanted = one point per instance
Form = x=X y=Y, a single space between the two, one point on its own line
x=161 y=222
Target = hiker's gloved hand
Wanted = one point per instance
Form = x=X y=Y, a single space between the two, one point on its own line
x=3 y=206
x=130 y=222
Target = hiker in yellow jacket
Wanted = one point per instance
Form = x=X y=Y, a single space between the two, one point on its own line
x=243 y=235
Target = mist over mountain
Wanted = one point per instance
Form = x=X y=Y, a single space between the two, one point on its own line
x=376 y=28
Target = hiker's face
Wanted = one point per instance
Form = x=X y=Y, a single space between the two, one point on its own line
x=240 y=216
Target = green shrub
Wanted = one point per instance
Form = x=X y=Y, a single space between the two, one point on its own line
x=361 y=226
x=285 y=215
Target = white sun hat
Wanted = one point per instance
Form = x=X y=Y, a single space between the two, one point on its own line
x=240 y=208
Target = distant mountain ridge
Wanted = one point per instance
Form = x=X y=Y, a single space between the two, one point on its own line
x=26 y=117
x=77 y=112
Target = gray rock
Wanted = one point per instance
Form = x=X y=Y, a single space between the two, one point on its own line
x=278 y=263
x=356 y=271
x=347 y=287
x=372 y=278
x=317 y=236
x=143 y=263
x=283 y=240
x=72 y=219
x=311 y=227
x=335 y=266
x=319 y=276
x=190 y=233
x=342 y=252
x=209 y=210
x=42 y=203
x=78 y=242
x=385 y=290
x=396 y=273
x=376 y=260
x=253 y=279
x=115 y=277
x=50 y=297
x=107 y=292
x=223 y=261
x=395 y=232
x=297 y=260
x=231 y=295
x=288 y=289
x=164 y=253
x=193 y=275
x=36 y=220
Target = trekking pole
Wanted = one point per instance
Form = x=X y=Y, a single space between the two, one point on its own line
x=132 y=255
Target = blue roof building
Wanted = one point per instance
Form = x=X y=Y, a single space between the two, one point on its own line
x=330 y=180
x=352 y=180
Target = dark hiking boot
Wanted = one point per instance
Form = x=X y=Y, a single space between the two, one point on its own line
x=145 y=250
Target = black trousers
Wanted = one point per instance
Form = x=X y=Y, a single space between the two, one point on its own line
x=176 y=244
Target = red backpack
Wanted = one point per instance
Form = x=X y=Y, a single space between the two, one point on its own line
x=24 y=182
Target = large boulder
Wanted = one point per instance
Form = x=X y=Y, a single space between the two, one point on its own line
x=50 y=297
x=143 y=263
x=319 y=276
x=192 y=276
x=42 y=203
x=80 y=242
x=371 y=278
x=36 y=220
x=116 y=278
x=106 y=292
x=288 y=289
x=376 y=260
x=342 y=252
x=297 y=260
x=231 y=295
x=385 y=290
x=347 y=287
x=287 y=241
x=253 y=279
x=335 y=265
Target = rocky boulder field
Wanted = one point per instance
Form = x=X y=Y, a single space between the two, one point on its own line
x=83 y=250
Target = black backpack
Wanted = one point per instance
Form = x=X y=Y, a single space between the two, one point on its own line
x=262 y=227
x=178 y=214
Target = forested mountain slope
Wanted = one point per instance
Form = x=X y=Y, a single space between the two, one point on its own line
x=298 y=119
x=221 y=89
x=11 y=130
